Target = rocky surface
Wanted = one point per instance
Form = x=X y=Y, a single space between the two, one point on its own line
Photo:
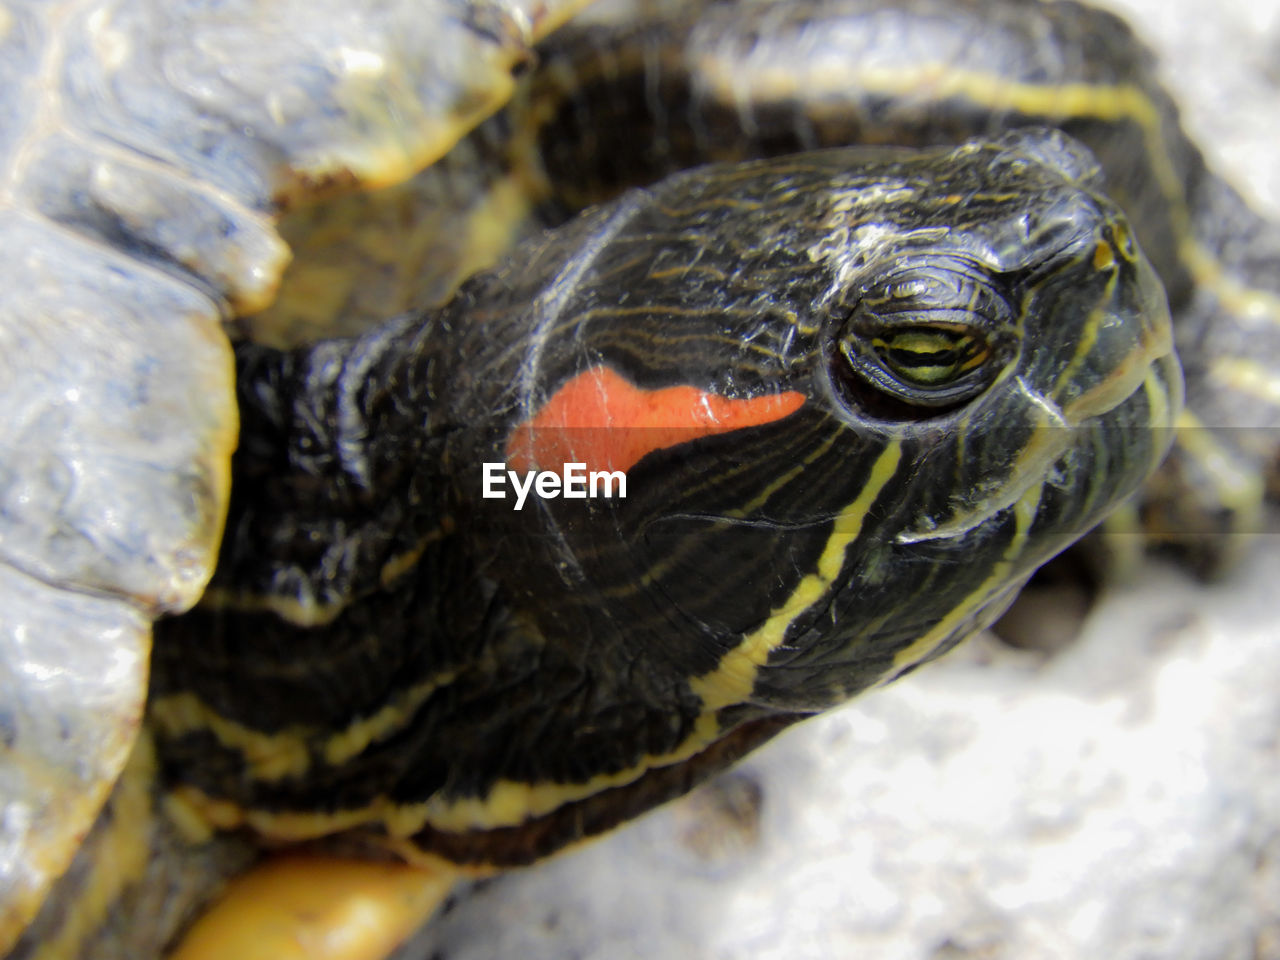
x=1118 y=798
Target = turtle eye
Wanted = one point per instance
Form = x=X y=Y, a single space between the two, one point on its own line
x=924 y=341
x=930 y=357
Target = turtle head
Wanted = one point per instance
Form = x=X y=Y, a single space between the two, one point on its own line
x=855 y=398
x=1012 y=377
x=874 y=405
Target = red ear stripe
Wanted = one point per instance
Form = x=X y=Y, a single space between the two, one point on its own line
x=603 y=420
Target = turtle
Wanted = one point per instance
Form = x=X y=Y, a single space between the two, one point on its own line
x=161 y=223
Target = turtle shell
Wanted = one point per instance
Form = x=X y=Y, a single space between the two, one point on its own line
x=148 y=149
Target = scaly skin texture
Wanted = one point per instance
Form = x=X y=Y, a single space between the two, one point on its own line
x=385 y=649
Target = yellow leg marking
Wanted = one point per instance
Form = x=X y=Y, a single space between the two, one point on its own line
x=317 y=908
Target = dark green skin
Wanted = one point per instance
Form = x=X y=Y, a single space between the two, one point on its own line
x=567 y=662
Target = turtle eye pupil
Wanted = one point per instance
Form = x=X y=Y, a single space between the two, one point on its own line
x=908 y=370
x=930 y=356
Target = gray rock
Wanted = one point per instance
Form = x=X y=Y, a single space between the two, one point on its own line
x=1121 y=799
